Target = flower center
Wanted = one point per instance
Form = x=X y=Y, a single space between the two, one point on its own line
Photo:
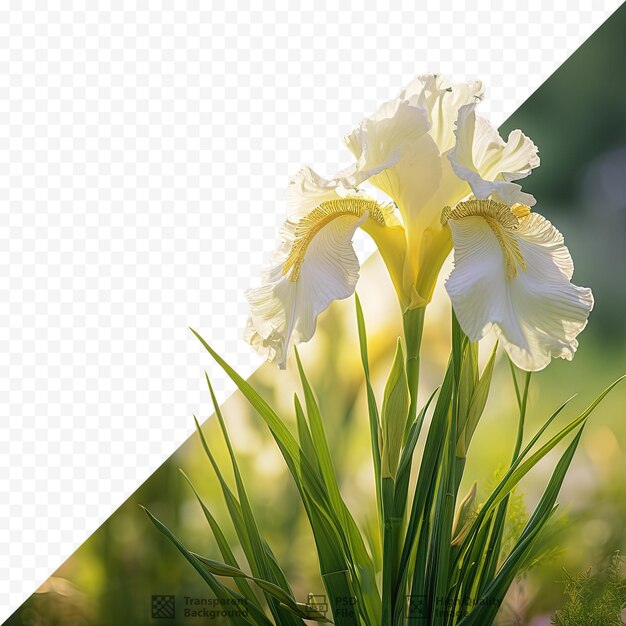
x=322 y=215
x=503 y=221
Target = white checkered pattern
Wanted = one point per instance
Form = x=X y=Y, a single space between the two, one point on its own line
x=144 y=153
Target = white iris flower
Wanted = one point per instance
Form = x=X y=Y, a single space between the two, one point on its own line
x=451 y=178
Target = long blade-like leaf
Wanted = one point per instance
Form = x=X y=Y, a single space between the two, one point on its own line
x=222 y=543
x=251 y=615
x=222 y=569
x=427 y=473
x=245 y=522
x=489 y=602
x=372 y=407
x=521 y=466
x=299 y=466
x=361 y=559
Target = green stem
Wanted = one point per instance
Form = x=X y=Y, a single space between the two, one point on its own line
x=389 y=552
x=394 y=505
x=413 y=322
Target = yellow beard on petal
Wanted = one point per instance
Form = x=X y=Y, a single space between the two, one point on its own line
x=321 y=216
x=503 y=221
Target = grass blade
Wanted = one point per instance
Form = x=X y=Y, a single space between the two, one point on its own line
x=490 y=600
x=476 y=406
x=253 y=615
x=372 y=407
x=304 y=435
x=520 y=467
x=361 y=560
x=300 y=467
x=420 y=518
x=222 y=569
x=257 y=556
x=223 y=546
x=406 y=459
x=332 y=551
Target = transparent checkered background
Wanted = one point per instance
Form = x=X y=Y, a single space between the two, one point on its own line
x=144 y=153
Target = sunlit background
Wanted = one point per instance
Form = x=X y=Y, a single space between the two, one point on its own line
x=578 y=120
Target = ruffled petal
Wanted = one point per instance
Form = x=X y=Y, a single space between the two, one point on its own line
x=537 y=314
x=314 y=265
x=401 y=148
x=488 y=163
x=307 y=189
x=417 y=174
x=381 y=140
x=442 y=100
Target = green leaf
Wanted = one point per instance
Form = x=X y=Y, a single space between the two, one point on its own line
x=304 y=435
x=520 y=467
x=406 y=460
x=462 y=514
x=263 y=569
x=489 y=558
x=394 y=414
x=366 y=574
x=299 y=466
x=253 y=614
x=222 y=544
x=336 y=568
x=468 y=379
x=391 y=555
x=333 y=566
x=459 y=340
x=489 y=602
x=436 y=584
x=243 y=519
x=234 y=509
x=476 y=406
x=492 y=554
x=421 y=508
x=466 y=572
x=221 y=569
x=372 y=407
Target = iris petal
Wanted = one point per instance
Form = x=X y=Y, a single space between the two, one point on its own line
x=537 y=313
x=488 y=163
x=314 y=264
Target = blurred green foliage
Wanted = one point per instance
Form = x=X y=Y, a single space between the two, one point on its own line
x=577 y=118
x=594 y=598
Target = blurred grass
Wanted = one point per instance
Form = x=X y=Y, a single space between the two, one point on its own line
x=578 y=120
